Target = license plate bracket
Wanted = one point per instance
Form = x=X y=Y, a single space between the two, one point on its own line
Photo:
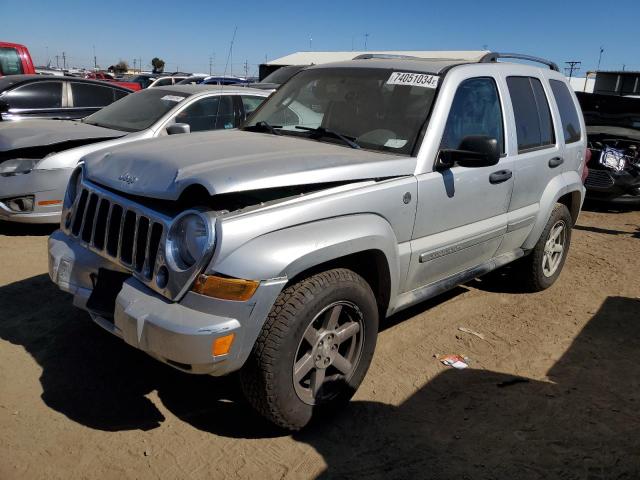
x=107 y=286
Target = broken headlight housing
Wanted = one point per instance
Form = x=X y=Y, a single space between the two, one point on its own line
x=17 y=166
x=613 y=158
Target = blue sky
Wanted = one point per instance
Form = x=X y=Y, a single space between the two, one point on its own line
x=187 y=33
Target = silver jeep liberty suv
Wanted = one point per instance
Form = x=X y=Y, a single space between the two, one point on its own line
x=356 y=190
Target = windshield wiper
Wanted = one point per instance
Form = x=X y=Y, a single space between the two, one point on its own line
x=263 y=126
x=323 y=132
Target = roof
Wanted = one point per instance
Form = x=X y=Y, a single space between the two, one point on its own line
x=9 y=80
x=198 y=89
x=309 y=58
x=426 y=65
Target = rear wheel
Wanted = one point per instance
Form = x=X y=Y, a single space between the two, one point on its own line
x=314 y=349
x=542 y=267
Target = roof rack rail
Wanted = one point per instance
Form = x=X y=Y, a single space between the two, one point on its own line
x=368 y=56
x=494 y=56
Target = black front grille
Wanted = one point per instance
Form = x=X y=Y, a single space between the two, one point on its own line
x=599 y=179
x=123 y=233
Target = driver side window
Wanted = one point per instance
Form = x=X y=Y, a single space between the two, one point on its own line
x=475 y=110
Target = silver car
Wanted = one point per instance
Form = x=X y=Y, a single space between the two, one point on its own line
x=37 y=157
x=276 y=249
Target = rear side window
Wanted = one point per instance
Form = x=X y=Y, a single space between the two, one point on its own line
x=88 y=95
x=568 y=112
x=10 y=63
x=36 y=95
x=475 y=111
x=534 y=126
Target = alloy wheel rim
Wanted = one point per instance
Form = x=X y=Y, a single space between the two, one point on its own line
x=554 y=248
x=329 y=352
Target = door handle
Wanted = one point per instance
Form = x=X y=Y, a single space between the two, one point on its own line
x=500 y=176
x=556 y=162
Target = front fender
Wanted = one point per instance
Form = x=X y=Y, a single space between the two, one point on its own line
x=568 y=182
x=288 y=252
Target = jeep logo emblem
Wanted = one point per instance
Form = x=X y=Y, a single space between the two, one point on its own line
x=126 y=178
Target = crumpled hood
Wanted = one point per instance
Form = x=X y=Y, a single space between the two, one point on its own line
x=35 y=133
x=234 y=161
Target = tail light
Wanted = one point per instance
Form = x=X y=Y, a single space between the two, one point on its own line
x=585 y=169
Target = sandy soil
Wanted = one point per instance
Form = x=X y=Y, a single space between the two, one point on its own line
x=76 y=402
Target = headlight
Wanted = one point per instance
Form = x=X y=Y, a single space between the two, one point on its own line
x=73 y=187
x=17 y=166
x=613 y=158
x=189 y=238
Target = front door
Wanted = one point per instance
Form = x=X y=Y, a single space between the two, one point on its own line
x=461 y=215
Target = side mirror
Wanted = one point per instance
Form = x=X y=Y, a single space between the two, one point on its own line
x=178 y=128
x=474 y=151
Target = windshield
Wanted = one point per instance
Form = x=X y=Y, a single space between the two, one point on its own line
x=377 y=109
x=136 y=111
x=610 y=110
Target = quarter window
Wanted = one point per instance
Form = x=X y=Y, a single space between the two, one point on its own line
x=534 y=126
x=36 y=95
x=475 y=111
x=568 y=113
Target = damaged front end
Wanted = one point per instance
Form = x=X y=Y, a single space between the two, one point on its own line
x=613 y=133
x=614 y=169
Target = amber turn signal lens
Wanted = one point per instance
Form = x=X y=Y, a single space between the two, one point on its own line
x=44 y=203
x=222 y=345
x=225 y=288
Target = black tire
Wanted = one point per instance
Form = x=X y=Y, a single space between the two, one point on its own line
x=530 y=269
x=267 y=378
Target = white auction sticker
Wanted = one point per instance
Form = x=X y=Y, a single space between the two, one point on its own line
x=413 y=79
x=172 y=98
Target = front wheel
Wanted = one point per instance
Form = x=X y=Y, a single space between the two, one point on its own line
x=314 y=349
x=542 y=267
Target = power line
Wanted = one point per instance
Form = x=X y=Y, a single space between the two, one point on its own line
x=572 y=66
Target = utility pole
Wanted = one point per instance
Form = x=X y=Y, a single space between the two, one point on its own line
x=310 y=42
x=95 y=60
x=140 y=65
x=572 y=66
x=599 y=58
x=246 y=68
x=366 y=38
x=57 y=61
x=210 y=65
x=64 y=61
x=134 y=65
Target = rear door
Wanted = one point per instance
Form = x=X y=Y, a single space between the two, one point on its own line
x=539 y=154
x=87 y=98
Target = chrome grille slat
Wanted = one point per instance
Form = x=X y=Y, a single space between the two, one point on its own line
x=102 y=221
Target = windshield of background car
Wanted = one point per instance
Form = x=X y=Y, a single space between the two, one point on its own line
x=282 y=74
x=136 y=111
x=380 y=109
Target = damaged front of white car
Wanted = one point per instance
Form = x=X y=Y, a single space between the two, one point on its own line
x=35 y=165
x=613 y=131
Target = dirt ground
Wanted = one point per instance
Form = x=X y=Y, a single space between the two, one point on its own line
x=553 y=390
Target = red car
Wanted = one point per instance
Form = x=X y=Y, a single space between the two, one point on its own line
x=15 y=59
x=105 y=77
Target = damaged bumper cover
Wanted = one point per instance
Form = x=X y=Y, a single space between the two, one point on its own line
x=180 y=334
x=34 y=196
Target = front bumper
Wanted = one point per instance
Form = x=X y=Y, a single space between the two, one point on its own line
x=46 y=186
x=181 y=333
x=606 y=183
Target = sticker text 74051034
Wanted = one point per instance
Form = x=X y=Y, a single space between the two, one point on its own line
x=413 y=79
